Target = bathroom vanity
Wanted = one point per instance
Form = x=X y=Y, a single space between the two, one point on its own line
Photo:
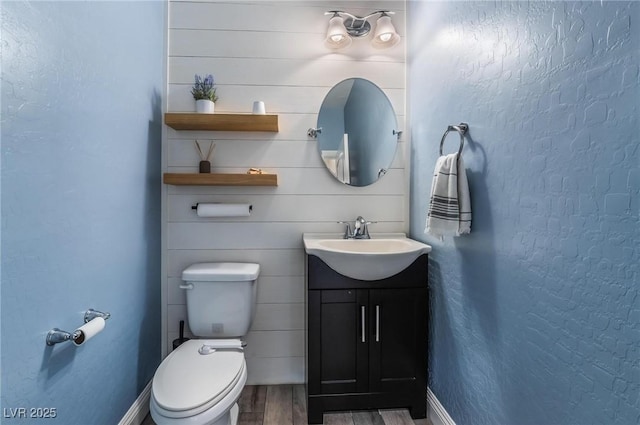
x=367 y=340
x=367 y=301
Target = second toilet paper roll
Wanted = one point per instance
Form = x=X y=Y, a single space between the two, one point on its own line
x=223 y=210
x=89 y=330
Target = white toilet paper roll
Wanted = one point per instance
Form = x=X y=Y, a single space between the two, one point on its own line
x=89 y=330
x=223 y=210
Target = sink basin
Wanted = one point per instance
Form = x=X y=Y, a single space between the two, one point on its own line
x=382 y=256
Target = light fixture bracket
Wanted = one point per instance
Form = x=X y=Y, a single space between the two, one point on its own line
x=357 y=27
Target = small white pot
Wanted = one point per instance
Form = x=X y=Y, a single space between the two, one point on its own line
x=205 y=106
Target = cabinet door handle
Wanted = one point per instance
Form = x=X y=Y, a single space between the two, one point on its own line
x=377 y=323
x=362 y=326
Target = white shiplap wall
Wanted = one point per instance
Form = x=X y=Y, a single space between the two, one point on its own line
x=270 y=51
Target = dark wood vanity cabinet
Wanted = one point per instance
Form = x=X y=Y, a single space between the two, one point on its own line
x=367 y=341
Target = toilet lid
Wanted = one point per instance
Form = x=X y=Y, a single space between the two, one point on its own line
x=187 y=379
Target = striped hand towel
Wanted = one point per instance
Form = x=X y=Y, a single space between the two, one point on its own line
x=450 y=205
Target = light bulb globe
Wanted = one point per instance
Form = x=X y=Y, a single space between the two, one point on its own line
x=337 y=36
x=385 y=35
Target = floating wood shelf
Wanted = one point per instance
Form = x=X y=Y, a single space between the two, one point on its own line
x=221 y=122
x=221 y=179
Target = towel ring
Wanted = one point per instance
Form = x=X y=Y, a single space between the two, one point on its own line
x=462 y=129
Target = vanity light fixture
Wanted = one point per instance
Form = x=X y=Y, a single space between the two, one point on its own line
x=343 y=26
x=337 y=36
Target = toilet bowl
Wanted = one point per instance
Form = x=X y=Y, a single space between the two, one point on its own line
x=199 y=386
x=200 y=382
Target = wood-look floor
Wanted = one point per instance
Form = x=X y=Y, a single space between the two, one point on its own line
x=287 y=405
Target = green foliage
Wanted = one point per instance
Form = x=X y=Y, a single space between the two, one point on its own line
x=204 y=88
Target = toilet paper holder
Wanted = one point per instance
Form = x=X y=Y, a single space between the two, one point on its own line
x=55 y=335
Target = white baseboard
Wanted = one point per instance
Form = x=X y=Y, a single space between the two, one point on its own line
x=139 y=409
x=436 y=412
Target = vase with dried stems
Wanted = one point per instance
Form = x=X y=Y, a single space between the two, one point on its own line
x=205 y=161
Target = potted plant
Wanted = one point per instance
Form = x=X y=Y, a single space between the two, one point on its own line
x=204 y=93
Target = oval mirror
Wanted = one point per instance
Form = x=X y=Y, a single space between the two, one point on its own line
x=357 y=136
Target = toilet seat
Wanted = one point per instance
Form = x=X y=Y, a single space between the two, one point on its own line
x=188 y=383
x=223 y=413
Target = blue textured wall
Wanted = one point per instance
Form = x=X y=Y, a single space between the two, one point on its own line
x=536 y=314
x=81 y=124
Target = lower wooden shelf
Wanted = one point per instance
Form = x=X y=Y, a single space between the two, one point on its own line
x=220 y=179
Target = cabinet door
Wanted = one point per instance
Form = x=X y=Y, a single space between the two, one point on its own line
x=398 y=349
x=338 y=341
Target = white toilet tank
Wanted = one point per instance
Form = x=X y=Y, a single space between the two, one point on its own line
x=221 y=298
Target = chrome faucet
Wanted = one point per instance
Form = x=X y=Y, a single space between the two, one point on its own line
x=360 y=229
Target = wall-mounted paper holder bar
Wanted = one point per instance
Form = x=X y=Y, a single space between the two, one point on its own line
x=91 y=314
x=220 y=209
x=55 y=335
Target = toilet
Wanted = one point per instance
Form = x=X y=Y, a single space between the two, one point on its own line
x=200 y=382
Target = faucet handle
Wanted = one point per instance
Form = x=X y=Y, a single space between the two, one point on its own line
x=347 y=230
x=366 y=228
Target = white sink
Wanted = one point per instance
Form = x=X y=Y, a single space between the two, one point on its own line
x=382 y=256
